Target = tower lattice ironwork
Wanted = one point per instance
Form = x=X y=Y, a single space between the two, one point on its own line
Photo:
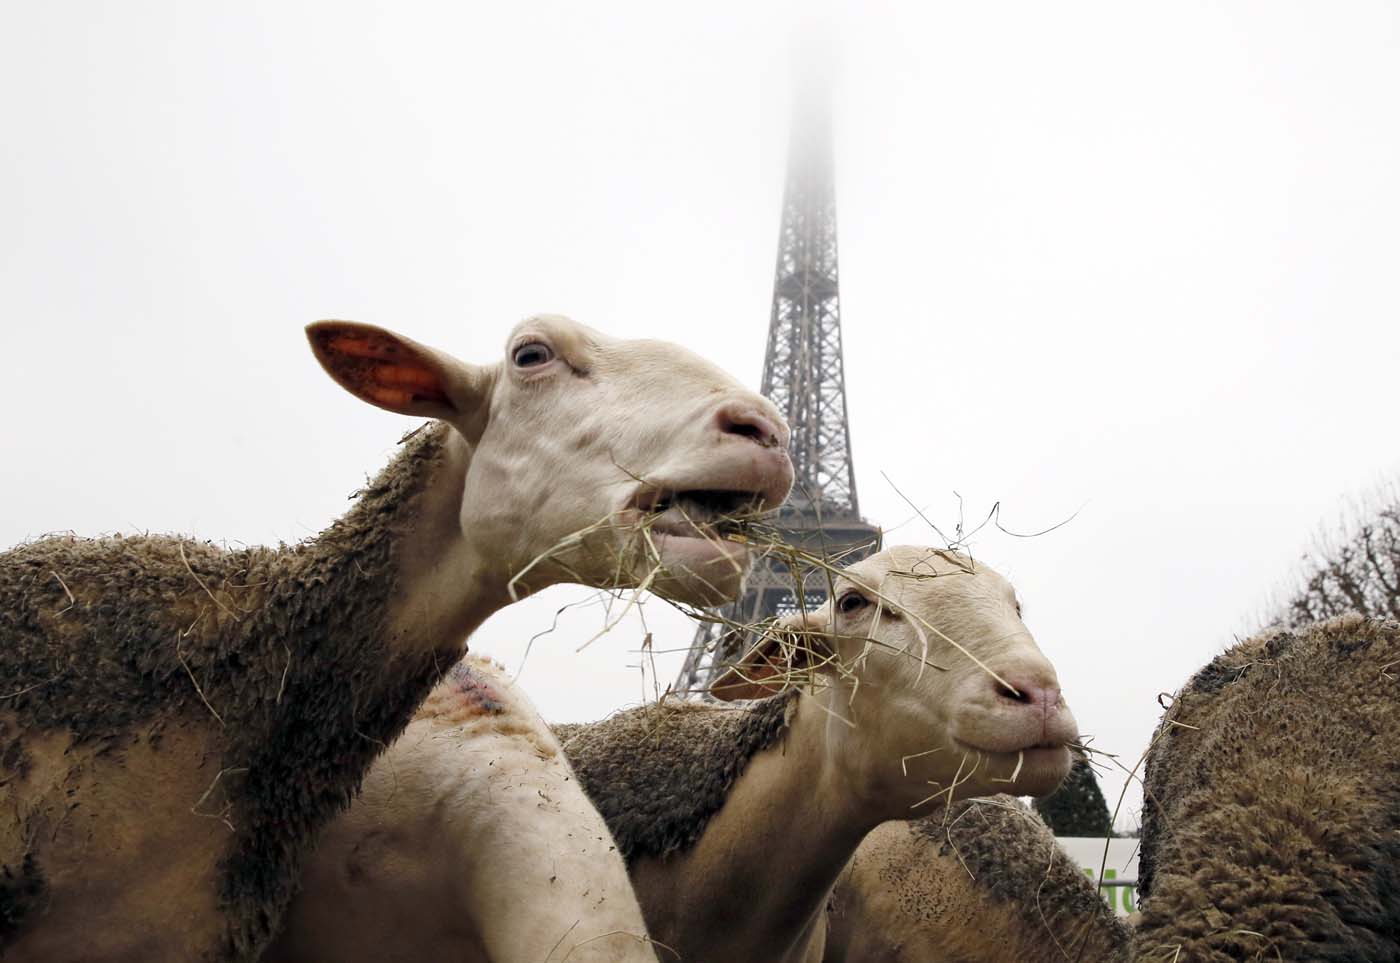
x=804 y=375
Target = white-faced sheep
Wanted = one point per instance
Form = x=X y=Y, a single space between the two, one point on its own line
x=471 y=840
x=178 y=721
x=736 y=822
x=982 y=881
x=1271 y=821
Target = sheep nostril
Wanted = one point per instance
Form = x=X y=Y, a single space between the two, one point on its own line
x=1013 y=695
x=747 y=422
x=1027 y=693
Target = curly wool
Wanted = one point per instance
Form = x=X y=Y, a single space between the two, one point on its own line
x=1271 y=822
x=1011 y=854
x=982 y=879
x=288 y=648
x=660 y=772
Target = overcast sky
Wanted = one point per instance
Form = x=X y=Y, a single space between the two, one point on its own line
x=1136 y=262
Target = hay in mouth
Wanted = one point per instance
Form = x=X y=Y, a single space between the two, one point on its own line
x=698 y=513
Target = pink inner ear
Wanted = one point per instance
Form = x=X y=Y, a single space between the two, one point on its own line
x=406 y=376
x=388 y=397
x=749 y=676
x=359 y=345
x=381 y=369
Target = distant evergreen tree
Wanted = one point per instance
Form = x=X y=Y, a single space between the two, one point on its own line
x=1077 y=808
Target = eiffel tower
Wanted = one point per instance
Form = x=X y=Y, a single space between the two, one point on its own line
x=804 y=375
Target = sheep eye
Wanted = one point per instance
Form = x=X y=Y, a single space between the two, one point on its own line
x=851 y=602
x=532 y=354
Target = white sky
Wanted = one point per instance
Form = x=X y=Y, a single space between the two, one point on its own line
x=1136 y=260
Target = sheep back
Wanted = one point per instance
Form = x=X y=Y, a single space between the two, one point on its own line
x=1271 y=820
x=980 y=879
x=277 y=655
x=1011 y=853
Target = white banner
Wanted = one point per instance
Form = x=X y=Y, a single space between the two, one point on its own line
x=1121 y=866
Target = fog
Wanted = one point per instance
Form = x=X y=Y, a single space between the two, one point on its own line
x=1130 y=264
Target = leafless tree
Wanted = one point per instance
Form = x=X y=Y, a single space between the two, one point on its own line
x=1355 y=571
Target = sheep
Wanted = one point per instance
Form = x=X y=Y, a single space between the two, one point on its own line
x=180 y=720
x=983 y=880
x=471 y=840
x=1271 y=818
x=737 y=822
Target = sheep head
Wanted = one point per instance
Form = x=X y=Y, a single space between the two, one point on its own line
x=606 y=462
x=923 y=660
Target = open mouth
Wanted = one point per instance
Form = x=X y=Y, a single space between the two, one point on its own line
x=700 y=538
x=698 y=513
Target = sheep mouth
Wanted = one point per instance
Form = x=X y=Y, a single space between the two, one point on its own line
x=1010 y=747
x=1031 y=768
x=698 y=539
x=710 y=514
x=1045 y=748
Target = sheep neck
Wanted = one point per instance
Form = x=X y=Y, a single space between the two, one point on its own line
x=770 y=857
x=402 y=548
x=447 y=582
x=386 y=597
x=280 y=671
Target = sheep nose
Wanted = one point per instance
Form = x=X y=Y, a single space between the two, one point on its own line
x=1029 y=693
x=1042 y=701
x=749 y=422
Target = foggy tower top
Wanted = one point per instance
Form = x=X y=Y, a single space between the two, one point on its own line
x=804 y=375
x=803 y=370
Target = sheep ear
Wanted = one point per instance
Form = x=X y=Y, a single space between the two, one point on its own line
x=397 y=374
x=787 y=648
